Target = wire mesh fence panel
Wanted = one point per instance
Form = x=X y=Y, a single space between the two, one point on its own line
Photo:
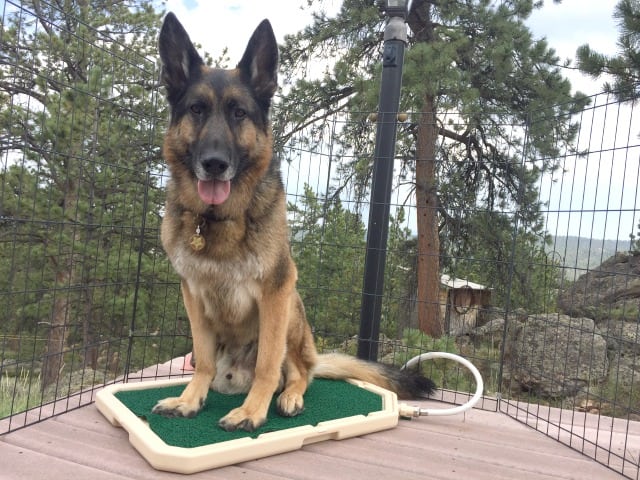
x=570 y=369
x=84 y=280
x=533 y=242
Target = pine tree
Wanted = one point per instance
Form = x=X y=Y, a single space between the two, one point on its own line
x=634 y=242
x=399 y=300
x=80 y=149
x=623 y=67
x=492 y=113
x=328 y=247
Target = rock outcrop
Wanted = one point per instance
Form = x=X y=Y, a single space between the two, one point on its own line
x=610 y=292
x=555 y=355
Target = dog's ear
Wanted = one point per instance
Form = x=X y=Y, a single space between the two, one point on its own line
x=259 y=63
x=180 y=60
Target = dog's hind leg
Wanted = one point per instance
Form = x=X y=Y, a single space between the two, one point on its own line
x=192 y=399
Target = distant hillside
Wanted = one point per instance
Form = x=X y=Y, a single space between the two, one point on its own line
x=578 y=254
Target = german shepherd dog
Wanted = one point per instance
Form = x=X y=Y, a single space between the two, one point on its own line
x=225 y=232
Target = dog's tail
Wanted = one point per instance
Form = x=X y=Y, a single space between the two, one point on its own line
x=406 y=383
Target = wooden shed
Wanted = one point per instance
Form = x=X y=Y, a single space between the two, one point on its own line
x=460 y=304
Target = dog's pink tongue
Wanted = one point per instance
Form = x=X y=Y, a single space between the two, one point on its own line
x=214 y=192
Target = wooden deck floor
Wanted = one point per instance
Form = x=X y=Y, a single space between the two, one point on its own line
x=480 y=445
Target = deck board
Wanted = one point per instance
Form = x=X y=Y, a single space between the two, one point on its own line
x=480 y=444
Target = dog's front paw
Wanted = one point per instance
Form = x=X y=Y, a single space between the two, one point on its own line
x=290 y=404
x=176 y=407
x=240 y=419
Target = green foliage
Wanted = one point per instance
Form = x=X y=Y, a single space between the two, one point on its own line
x=635 y=241
x=618 y=399
x=414 y=342
x=625 y=312
x=399 y=283
x=513 y=263
x=503 y=113
x=328 y=247
x=623 y=67
x=445 y=373
x=19 y=393
x=81 y=196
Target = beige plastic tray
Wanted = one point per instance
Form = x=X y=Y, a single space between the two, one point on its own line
x=191 y=460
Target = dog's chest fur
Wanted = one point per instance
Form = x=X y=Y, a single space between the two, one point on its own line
x=231 y=292
x=228 y=275
x=232 y=285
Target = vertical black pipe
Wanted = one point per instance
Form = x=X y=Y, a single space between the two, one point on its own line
x=395 y=39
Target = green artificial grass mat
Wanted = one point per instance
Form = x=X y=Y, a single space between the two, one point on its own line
x=324 y=400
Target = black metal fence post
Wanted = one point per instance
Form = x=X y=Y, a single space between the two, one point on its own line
x=395 y=39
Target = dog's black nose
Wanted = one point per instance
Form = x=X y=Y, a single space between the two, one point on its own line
x=215 y=166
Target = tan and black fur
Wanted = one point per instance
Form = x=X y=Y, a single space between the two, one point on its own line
x=238 y=279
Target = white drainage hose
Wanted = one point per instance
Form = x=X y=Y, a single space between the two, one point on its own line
x=411 y=411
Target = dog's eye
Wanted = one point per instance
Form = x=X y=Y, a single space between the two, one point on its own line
x=197 y=108
x=239 y=113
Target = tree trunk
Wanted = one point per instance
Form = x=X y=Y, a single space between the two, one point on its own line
x=427 y=207
x=53 y=360
x=90 y=346
x=59 y=329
